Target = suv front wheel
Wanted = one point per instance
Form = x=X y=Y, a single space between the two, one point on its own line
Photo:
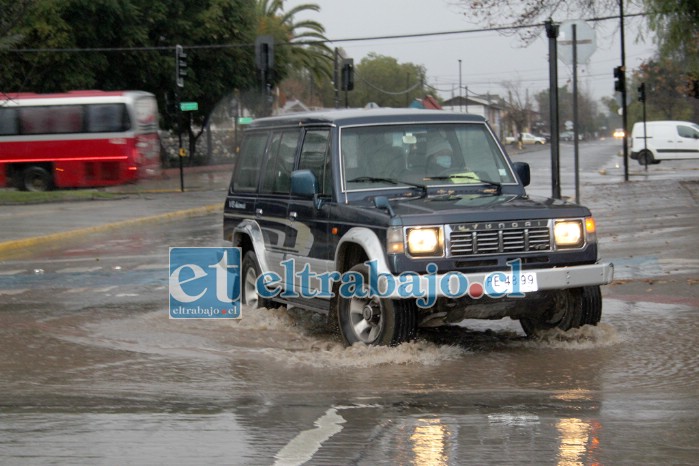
x=249 y=271
x=373 y=320
x=571 y=308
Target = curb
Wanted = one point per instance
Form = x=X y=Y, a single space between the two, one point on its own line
x=24 y=243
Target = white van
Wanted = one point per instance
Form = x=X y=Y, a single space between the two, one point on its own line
x=667 y=140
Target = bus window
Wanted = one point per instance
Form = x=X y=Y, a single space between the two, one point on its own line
x=51 y=120
x=8 y=121
x=107 y=118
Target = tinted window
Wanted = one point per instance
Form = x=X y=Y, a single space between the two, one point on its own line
x=315 y=157
x=51 y=120
x=8 y=121
x=107 y=118
x=277 y=175
x=248 y=165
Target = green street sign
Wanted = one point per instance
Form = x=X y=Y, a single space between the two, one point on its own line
x=189 y=106
x=245 y=120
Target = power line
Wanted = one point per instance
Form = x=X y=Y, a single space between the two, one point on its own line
x=511 y=27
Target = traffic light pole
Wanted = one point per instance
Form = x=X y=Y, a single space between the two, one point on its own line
x=642 y=98
x=552 y=34
x=180 y=74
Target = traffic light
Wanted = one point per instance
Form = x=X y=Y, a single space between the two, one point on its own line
x=695 y=88
x=180 y=65
x=264 y=53
x=642 y=92
x=347 y=79
x=619 y=84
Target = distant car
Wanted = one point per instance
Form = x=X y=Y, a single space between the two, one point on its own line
x=570 y=136
x=667 y=140
x=529 y=138
x=618 y=133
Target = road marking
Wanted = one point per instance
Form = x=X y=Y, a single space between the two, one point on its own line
x=152 y=267
x=302 y=447
x=79 y=269
x=6 y=273
x=13 y=292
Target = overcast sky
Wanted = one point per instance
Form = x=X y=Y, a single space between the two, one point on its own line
x=487 y=58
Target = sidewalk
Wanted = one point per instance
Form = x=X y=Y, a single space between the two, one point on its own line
x=155 y=200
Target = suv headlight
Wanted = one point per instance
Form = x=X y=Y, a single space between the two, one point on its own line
x=569 y=234
x=425 y=241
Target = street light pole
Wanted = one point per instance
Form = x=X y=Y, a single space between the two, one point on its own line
x=460 y=99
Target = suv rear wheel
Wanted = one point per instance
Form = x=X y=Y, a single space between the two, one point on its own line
x=374 y=320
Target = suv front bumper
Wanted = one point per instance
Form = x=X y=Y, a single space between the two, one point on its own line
x=556 y=278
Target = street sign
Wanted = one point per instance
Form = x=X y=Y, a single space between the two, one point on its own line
x=189 y=106
x=585 y=41
x=245 y=120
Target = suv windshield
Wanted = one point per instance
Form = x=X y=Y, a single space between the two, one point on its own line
x=423 y=154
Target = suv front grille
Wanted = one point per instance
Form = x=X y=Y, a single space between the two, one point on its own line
x=470 y=239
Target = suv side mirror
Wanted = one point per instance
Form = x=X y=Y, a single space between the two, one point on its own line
x=304 y=184
x=522 y=170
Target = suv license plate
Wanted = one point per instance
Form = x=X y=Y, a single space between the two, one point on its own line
x=524 y=282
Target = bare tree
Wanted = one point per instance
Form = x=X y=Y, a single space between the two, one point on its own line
x=519 y=107
x=525 y=17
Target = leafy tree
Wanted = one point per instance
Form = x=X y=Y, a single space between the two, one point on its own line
x=676 y=25
x=387 y=83
x=299 y=46
x=666 y=92
x=139 y=39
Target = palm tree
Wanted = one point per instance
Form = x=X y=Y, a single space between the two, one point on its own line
x=299 y=45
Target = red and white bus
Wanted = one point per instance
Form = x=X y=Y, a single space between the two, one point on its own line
x=77 y=139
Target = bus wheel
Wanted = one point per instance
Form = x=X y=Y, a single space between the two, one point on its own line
x=36 y=179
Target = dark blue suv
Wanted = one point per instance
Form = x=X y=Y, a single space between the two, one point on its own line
x=388 y=220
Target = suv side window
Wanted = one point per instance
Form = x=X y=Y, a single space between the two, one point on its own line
x=248 y=165
x=315 y=157
x=277 y=175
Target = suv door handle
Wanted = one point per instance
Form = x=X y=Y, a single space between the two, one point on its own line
x=258 y=212
x=293 y=215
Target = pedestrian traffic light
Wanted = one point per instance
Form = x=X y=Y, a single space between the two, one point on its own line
x=642 y=92
x=619 y=84
x=347 y=80
x=180 y=65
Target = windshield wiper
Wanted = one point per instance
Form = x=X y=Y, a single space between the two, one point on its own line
x=468 y=176
x=372 y=179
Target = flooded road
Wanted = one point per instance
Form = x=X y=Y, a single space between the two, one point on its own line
x=127 y=385
x=94 y=372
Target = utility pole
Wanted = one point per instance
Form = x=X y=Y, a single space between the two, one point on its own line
x=624 y=117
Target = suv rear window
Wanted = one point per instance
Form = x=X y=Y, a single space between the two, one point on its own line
x=248 y=166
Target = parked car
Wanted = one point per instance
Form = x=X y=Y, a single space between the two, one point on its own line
x=667 y=140
x=387 y=220
x=570 y=136
x=529 y=138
